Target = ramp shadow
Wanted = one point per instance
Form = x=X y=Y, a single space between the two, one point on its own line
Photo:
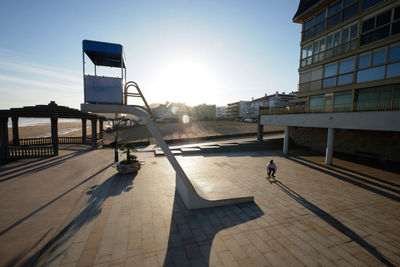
x=192 y=231
x=113 y=186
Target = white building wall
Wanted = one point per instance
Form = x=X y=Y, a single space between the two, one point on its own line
x=373 y=120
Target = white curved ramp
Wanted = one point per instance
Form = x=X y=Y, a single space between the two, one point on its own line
x=184 y=187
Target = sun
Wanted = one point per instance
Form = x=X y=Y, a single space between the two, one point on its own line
x=187 y=80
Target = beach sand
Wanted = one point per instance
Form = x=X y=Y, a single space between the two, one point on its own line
x=140 y=132
x=181 y=131
x=45 y=130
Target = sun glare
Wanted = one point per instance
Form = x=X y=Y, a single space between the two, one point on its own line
x=189 y=81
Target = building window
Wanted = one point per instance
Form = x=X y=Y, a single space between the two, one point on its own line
x=364 y=61
x=309 y=29
x=320 y=23
x=346 y=72
x=378 y=27
x=378 y=98
x=343 y=101
x=370 y=3
x=334 y=15
x=378 y=57
x=393 y=68
x=350 y=9
x=330 y=72
x=332 y=45
x=396 y=21
x=330 y=17
x=311 y=79
x=371 y=74
x=316 y=102
x=349 y=36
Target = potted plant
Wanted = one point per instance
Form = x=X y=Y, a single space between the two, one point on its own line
x=130 y=164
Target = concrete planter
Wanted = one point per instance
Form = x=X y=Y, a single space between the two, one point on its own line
x=127 y=168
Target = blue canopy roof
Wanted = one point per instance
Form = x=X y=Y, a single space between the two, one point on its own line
x=104 y=54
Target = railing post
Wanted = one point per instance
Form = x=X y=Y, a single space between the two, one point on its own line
x=101 y=128
x=94 y=133
x=3 y=137
x=15 y=130
x=54 y=134
x=83 y=130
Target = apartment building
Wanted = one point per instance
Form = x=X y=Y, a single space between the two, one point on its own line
x=349 y=78
x=237 y=110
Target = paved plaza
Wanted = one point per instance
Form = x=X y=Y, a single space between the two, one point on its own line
x=75 y=210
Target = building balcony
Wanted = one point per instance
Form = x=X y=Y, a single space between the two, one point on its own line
x=382 y=116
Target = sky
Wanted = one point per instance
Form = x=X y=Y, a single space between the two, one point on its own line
x=193 y=52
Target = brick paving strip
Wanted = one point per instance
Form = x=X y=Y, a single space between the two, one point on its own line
x=310 y=215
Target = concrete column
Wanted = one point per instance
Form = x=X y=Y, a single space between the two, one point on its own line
x=15 y=131
x=84 y=130
x=329 y=146
x=54 y=134
x=260 y=132
x=286 y=140
x=3 y=138
x=101 y=128
x=94 y=133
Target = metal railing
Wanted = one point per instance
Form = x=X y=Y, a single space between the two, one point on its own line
x=30 y=152
x=356 y=107
x=47 y=141
x=35 y=141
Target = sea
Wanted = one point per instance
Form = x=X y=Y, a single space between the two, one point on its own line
x=24 y=122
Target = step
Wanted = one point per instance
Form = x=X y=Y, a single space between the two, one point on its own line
x=159 y=153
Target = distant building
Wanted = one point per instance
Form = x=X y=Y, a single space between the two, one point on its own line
x=204 y=112
x=176 y=111
x=221 y=112
x=160 y=112
x=237 y=110
x=274 y=101
x=349 y=80
x=170 y=111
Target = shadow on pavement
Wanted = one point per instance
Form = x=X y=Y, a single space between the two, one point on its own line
x=14 y=261
x=332 y=221
x=327 y=167
x=52 y=201
x=113 y=186
x=348 y=180
x=37 y=165
x=192 y=231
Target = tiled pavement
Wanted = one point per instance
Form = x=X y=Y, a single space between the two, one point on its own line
x=311 y=214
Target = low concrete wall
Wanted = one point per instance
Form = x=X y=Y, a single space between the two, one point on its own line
x=371 y=120
x=381 y=145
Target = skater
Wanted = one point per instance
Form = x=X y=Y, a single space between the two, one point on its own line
x=271 y=168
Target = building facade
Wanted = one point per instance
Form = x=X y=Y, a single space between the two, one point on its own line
x=350 y=54
x=220 y=112
x=237 y=110
x=349 y=80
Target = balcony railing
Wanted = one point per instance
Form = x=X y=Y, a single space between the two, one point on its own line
x=356 y=107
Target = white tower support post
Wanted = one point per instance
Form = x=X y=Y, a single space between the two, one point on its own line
x=286 y=140
x=329 y=146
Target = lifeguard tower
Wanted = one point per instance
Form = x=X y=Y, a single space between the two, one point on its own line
x=110 y=95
